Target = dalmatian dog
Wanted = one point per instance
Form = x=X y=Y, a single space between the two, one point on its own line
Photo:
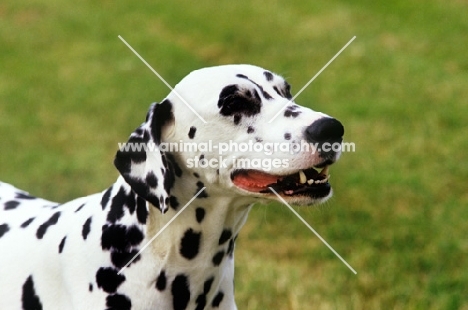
x=99 y=251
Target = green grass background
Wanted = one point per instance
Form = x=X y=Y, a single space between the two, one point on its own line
x=70 y=90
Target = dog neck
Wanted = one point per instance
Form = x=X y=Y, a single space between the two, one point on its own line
x=197 y=242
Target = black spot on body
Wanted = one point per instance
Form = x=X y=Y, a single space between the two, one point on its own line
x=10 y=205
x=120 y=259
x=120 y=237
x=90 y=287
x=161 y=281
x=225 y=236
x=104 y=200
x=207 y=285
x=192 y=131
x=29 y=299
x=26 y=224
x=62 y=244
x=108 y=279
x=80 y=207
x=203 y=194
x=218 y=258
x=201 y=299
x=250 y=129
x=141 y=210
x=86 y=228
x=230 y=250
x=173 y=202
x=190 y=244
x=200 y=214
x=4 y=228
x=180 y=292
x=116 y=209
x=287 y=136
x=196 y=175
x=118 y=302
x=43 y=227
x=24 y=196
x=217 y=299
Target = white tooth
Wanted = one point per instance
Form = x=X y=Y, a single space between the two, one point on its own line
x=324 y=171
x=302 y=177
x=310 y=182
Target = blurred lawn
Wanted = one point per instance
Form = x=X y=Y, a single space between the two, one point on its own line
x=70 y=90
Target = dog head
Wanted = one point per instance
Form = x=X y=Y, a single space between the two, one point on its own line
x=236 y=128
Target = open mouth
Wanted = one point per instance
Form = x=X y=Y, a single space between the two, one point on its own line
x=308 y=182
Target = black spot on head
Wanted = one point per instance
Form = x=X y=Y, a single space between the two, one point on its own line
x=43 y=227
x=141 y=210
x=108 y=279
x=235 y=102
x=287 y=136
x=26 y=224
x=62 y=244
x=180 y=292
x=29 y=299
x=9 y=205
x=104 y=200
x=190 y=244
x=90 y=287
x=218 y=258
x=192 y=131
x=200 y=214
x=217 y=299
x=161 y=281
x=237 y=119
x=118 y=302
x=86 y=228
x=225 y=236
x=268 y=75
x=24 y=196
x=162 y=115
x=151 y=179
x=264 y=93
x=4 y=228
x=250 y=129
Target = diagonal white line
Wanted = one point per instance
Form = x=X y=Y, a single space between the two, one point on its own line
x=161 y=78
x=313 y=230
x=161 y=230
x=312 y=79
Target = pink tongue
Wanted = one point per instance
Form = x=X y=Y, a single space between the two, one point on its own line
x=254 y=180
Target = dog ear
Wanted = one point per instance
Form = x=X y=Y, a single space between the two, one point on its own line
x=148 y=170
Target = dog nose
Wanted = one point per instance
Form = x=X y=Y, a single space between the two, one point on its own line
x=326 y=129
